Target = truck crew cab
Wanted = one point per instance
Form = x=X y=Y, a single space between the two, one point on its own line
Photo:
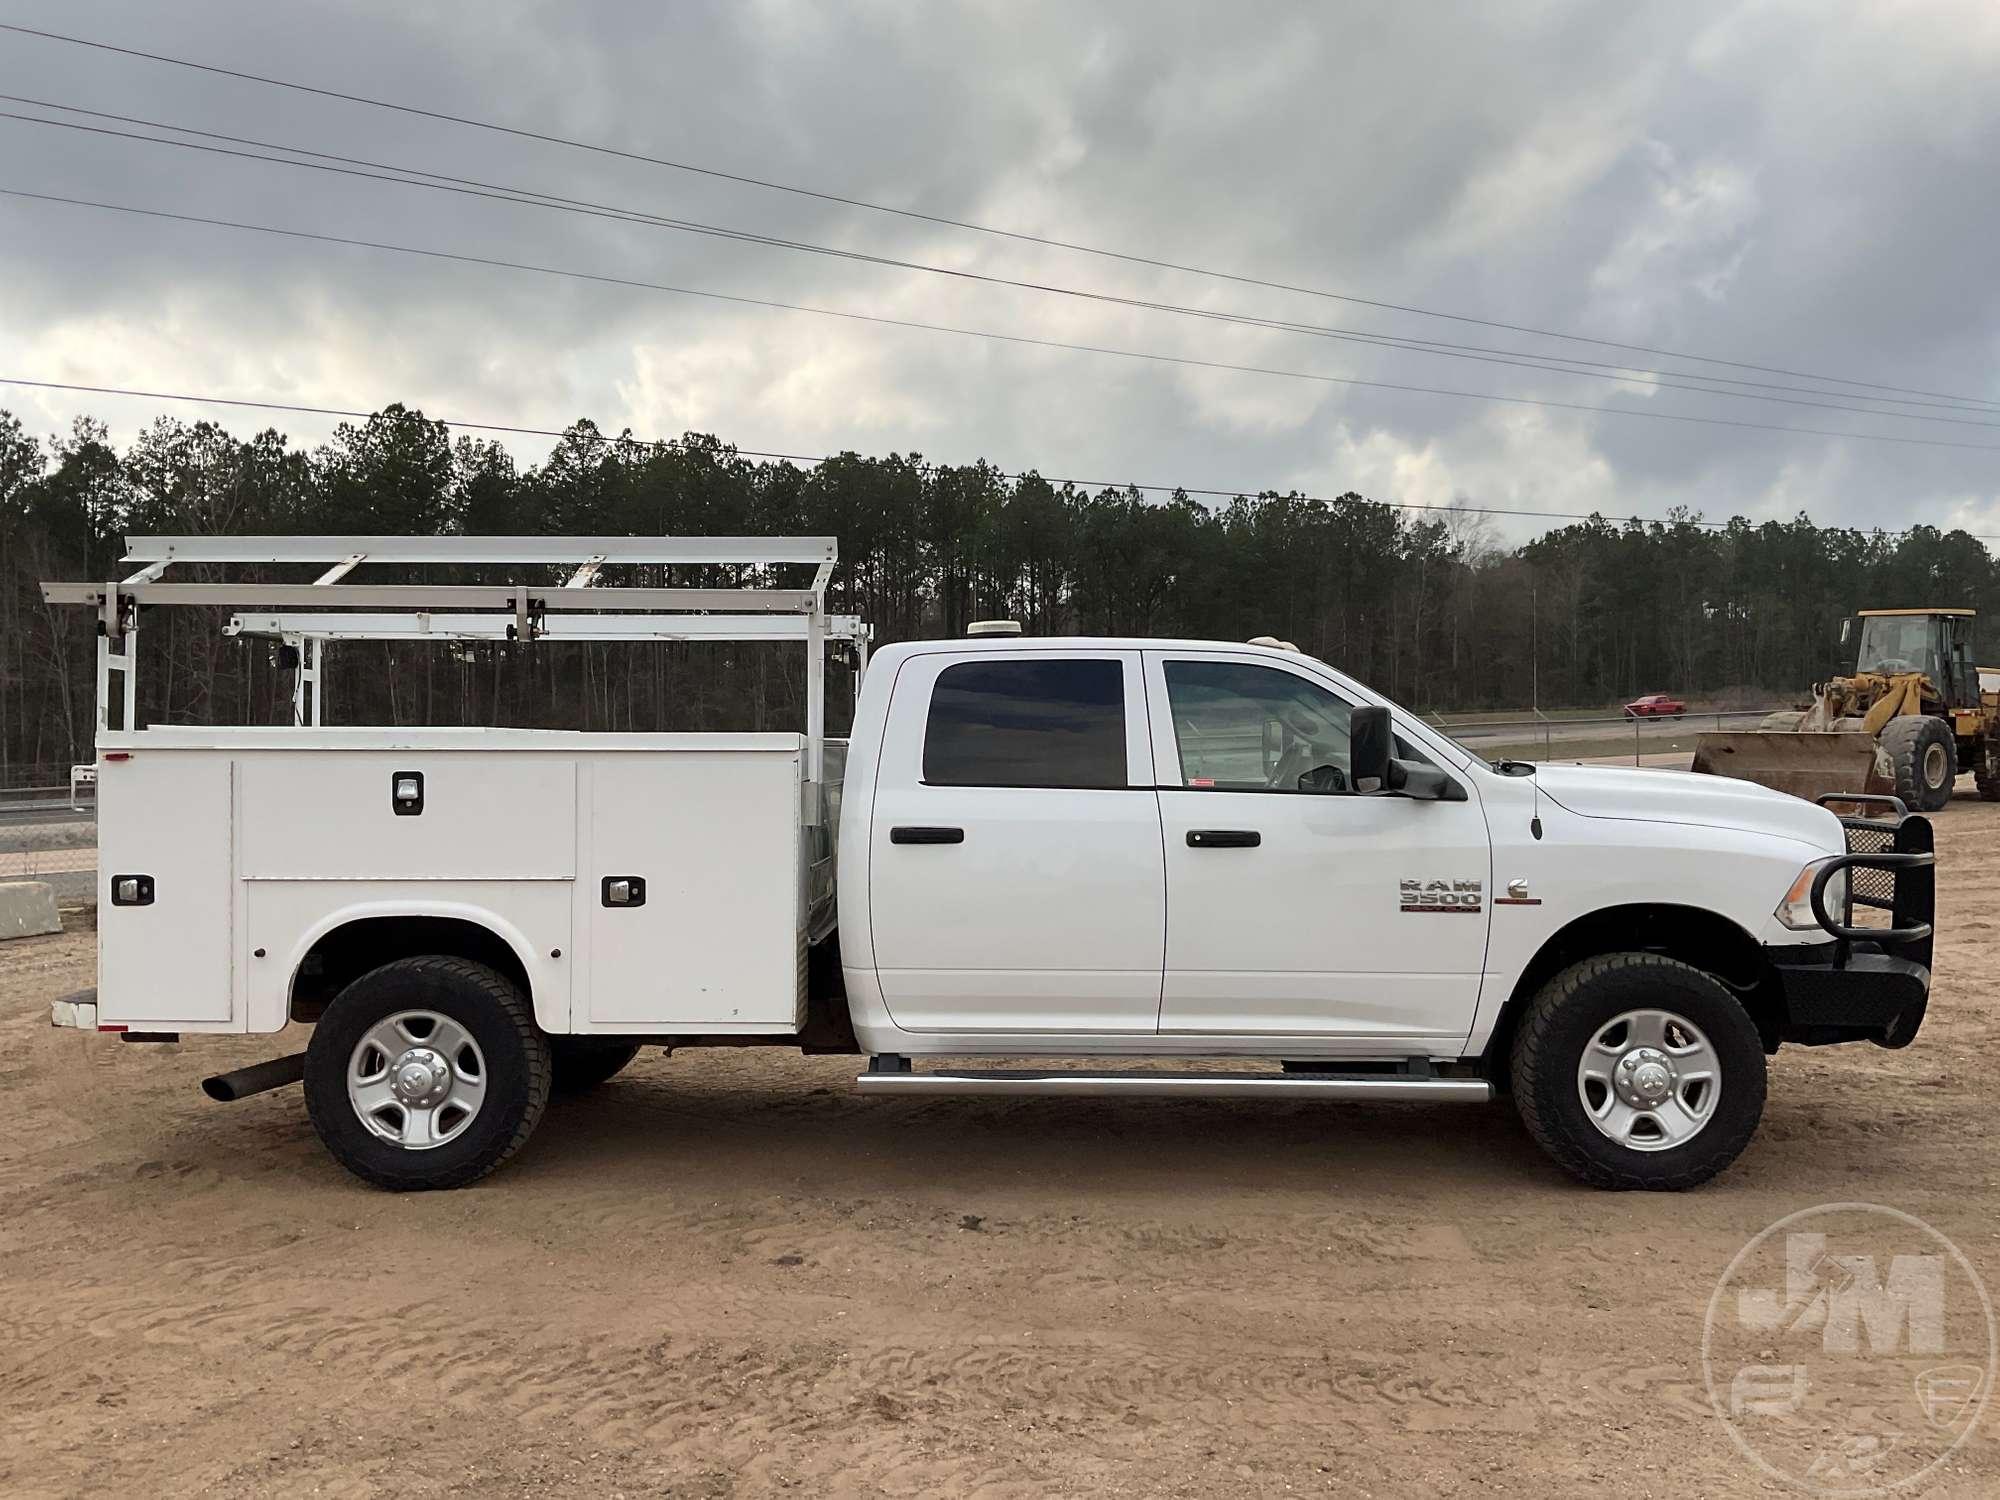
x=1184 y=868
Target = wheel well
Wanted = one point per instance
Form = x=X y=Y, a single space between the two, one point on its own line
x=344 y=953
x=1703 y=940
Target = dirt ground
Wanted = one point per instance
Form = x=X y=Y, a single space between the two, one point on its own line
x=725 y=1274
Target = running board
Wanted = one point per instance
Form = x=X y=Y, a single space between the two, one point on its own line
x=1164 y=1085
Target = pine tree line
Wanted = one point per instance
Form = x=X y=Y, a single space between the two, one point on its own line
x=1423 y=605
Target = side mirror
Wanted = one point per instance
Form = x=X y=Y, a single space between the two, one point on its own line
x=1370 y=748
x=1423 y=783
x=1372 y=756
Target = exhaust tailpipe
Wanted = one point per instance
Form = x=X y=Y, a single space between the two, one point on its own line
x=259 y=1078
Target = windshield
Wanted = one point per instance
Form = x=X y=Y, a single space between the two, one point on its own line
x=1899 y=643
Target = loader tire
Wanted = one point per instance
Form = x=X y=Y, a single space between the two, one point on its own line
x=1986 y=771
x=581 y=1063
x=1637 y=1071
x=425 y=1073
x=1924 y=759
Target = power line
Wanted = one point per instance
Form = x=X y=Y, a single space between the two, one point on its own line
x=948 y=222
x=1025 y=474
x=1187 y=361
x=443 y=182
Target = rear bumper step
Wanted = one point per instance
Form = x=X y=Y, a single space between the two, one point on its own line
x=1164 y=1085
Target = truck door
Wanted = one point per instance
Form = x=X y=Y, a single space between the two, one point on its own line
x=1317 y=913
x=1016 y=881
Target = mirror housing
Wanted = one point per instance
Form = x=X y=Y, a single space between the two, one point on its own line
x=1424 y=783
x=1374 y=767
x=1370 y=747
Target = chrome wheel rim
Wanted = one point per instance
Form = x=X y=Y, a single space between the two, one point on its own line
x=1649 y=1080
x=416 y=1079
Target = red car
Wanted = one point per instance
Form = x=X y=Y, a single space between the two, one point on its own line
x=1655 y=706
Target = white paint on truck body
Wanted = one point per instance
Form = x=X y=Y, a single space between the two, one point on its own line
x=1300 y=945
x=260 y=842
x=1074 y=919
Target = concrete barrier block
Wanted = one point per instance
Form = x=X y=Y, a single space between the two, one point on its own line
x=27 y=909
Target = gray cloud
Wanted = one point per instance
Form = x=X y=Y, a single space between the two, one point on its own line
x=1754 y=181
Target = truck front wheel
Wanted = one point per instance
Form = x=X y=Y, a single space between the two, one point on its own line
x=1634 y=1070
x=426 y=1073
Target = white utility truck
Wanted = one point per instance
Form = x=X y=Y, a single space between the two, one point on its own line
x=1183 y=869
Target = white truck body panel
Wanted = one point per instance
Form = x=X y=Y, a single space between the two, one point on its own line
x=168 y=964
x=1298 y=947
x=259 y=842
x=1048 y=919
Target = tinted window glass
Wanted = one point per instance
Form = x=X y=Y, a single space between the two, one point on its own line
x=1027 y=723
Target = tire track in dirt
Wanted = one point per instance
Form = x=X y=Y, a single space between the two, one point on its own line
x=612 y=1388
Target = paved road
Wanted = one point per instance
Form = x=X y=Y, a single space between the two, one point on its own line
x=24 y=811
x=1570 y=731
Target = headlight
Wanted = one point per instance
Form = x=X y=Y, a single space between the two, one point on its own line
x=1796 y=912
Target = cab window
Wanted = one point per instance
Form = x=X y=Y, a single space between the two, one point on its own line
x=1244 y=728
x=1041 y=723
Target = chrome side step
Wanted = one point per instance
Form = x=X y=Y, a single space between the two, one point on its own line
x=1158 y=1084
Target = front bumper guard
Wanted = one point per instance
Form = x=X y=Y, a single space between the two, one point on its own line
x=1870 y=983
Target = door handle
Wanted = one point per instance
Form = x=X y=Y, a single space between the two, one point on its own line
x=624 y=890
x=908 y=835
x=1224 y=838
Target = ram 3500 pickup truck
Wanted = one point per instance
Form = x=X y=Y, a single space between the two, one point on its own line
x=1182 y=868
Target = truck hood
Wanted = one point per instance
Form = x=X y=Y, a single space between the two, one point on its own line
x=1683 y=797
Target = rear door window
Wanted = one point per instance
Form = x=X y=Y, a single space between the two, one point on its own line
x=1027 y=723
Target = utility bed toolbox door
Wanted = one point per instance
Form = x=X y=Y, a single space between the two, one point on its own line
x=484 y=815
x=163 y=818
x=717 y=943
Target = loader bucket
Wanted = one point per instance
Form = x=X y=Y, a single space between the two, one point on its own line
x=1806 y=765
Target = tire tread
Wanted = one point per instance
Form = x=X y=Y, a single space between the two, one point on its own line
x=1535 y=1049
x=515 y=1011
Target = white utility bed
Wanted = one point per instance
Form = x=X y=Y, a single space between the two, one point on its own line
x=518 y=830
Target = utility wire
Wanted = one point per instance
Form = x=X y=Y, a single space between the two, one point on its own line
x=1484 y=354
x=1186 y=361
x=948 y=222
x=1026 y=474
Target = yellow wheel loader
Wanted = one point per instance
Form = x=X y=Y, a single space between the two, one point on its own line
x=1914 y=714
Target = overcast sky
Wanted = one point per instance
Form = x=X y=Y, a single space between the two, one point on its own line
x=1809 y=186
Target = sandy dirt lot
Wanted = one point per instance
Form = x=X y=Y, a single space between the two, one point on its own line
x=727 y=1275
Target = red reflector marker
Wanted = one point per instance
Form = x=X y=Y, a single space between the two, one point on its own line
x=118 y=755
x=114 y=1028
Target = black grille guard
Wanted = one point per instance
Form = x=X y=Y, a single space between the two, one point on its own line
x=1899 y=853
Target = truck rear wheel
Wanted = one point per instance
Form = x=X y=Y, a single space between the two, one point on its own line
x=581 y=1063
x=1924 y=757
x=1634 y=1070
x=426 y=1073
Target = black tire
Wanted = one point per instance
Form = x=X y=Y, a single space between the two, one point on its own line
x=581 y=1063
x=516 y=1065
x=1924 y=758
x=1986 y=770
x=1565 y=1017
